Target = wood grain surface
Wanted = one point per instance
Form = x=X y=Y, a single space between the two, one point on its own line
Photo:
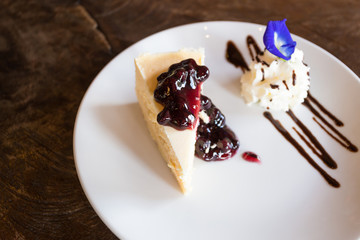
x=50 y=51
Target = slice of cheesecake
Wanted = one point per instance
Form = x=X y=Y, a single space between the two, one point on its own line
x=176 y=146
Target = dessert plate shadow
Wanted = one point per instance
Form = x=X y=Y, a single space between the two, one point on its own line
x=134 y=193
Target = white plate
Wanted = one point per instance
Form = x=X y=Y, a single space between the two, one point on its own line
x=132 y=190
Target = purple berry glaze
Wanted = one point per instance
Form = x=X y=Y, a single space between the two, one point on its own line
x=215 y=141
x=178 y=90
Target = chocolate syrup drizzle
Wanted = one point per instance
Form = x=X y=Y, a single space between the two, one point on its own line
x=251 y=44
x=348 y=144
x=312 y=143
x=301 y=150
x=307 y=143
x=234 y=56
x=325 y=111
x=324 y=156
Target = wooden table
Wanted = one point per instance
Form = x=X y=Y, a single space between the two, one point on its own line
x=50 y=51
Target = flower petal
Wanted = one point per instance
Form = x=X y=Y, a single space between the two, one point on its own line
x=277 y=39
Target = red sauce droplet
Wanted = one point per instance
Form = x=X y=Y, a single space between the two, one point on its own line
x=251 y=157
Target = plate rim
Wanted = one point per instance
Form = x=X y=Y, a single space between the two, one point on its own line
x=103 y=69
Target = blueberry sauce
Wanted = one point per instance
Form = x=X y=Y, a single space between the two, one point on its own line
x=251 y=157
x=178 y=90
x=215 y=141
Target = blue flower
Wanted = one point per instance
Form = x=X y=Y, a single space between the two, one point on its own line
x=277 y=39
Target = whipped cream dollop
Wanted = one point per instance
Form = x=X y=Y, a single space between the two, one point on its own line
x=274 y=83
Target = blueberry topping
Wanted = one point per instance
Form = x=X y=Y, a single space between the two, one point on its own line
x=215 y=141
x=178 y=90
